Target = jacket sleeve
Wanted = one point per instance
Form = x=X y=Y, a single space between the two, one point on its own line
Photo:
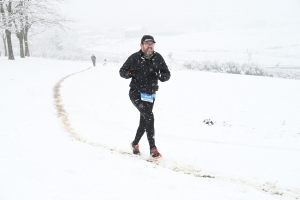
x=126 y=67
x=164 y=71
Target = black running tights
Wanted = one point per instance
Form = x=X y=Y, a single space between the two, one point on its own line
x=146 y=118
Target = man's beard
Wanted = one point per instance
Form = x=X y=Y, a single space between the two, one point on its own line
x=148 y=51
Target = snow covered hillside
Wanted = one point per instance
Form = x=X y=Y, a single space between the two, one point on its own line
x=66 y=128
x=265 y=46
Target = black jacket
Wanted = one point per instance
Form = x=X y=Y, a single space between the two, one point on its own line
x=145 y=79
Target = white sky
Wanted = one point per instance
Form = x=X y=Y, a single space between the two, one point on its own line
x=179 y=14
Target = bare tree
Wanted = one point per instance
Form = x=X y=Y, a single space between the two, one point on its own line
x=19 y=16
x=3 y=36
x=41 y=13
x=19 y=24
x=26 y=29
x=6 y=24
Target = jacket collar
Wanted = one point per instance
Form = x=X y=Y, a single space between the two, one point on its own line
x=142 y=54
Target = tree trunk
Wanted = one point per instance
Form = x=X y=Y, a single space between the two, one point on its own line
x=9 y=45
x=7 y=23
x=4 y=44
x=20 y=36
x=26 y=42
x=3 y=22
x=21 y=41
x=5 y=47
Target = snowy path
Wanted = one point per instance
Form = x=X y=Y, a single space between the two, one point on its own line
x=39 y=161
x=86 y=135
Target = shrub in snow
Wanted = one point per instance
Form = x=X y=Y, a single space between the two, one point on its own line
x=244 y=69
x=228 y=67
x=209 y=122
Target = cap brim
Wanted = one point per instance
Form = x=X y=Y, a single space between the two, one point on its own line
x=149 y=40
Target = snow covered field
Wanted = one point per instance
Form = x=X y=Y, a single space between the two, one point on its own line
x=66 y=128
x=265 y=46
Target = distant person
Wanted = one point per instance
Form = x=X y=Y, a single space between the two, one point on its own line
x=93 y=57
x=145 y=68
x=104 y=62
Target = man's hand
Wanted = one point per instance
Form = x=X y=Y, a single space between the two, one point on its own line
x=131 y=72
x=163 y=77
x=154 y=75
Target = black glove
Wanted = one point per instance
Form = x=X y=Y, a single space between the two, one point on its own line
x=160 y=77
x=154 y=75
x=131 y=72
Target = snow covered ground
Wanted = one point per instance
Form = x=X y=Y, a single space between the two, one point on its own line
x=66 y=128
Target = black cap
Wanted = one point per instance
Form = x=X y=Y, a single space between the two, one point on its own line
x=147 y=38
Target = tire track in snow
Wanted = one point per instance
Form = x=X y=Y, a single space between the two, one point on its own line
x=62 y=114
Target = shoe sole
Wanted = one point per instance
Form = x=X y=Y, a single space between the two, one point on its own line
x=133 y=150
x=157 y=157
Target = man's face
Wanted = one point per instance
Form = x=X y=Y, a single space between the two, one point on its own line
x=148 y=47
